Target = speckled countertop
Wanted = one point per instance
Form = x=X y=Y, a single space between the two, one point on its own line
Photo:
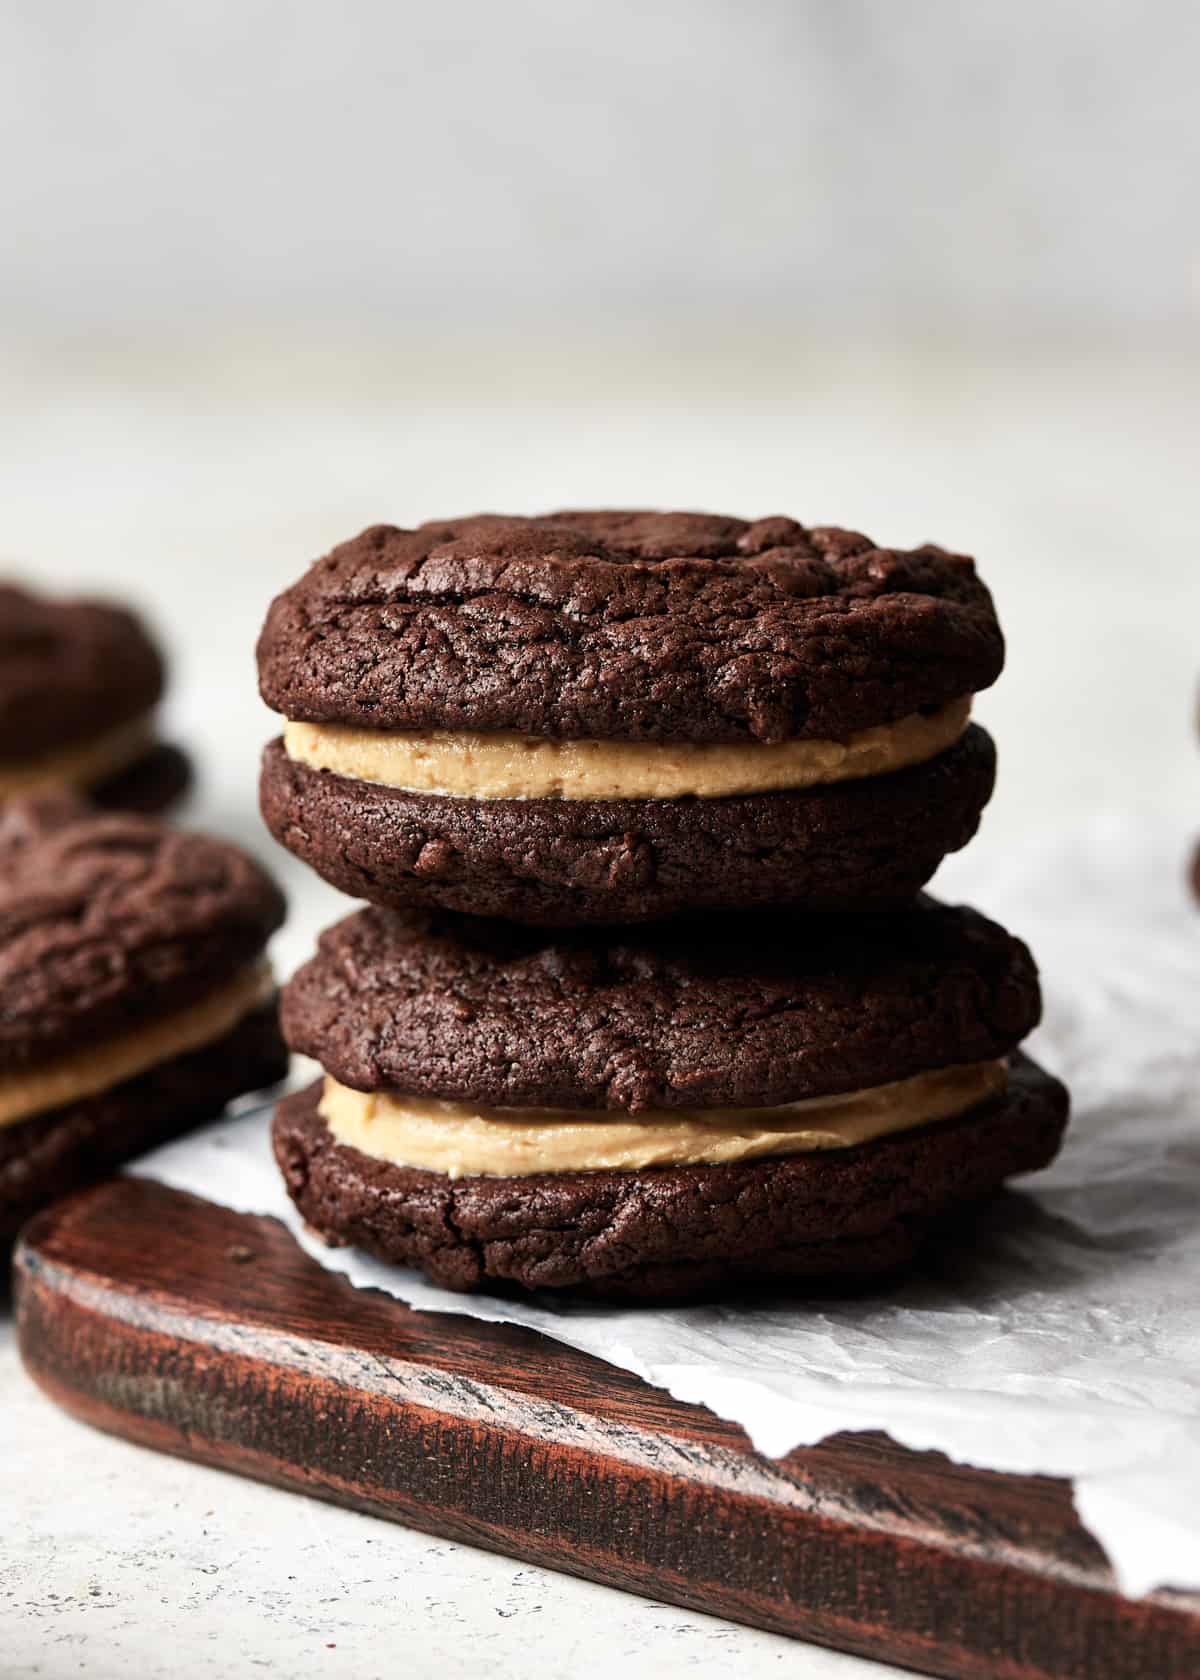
x=120 y=1562
x=200 y=488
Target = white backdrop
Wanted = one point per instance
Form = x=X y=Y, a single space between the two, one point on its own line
x=848 y=166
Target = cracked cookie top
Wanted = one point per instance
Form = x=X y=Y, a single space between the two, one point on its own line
x=627 y=626
x=108 y=922
x=728 y=1012
x=69 y=670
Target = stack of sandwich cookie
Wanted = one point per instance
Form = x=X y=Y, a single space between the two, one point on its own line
x=627 y=726
x=659 y=1113
x=135 y=996
x=620 y=717
x=79 y=684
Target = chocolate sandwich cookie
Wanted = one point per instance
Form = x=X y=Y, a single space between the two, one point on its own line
x=619 y=717
x=739 y=1101
x=135 y=996
x=79 y=683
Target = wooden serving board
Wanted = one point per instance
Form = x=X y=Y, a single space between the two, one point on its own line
x=189 y=1328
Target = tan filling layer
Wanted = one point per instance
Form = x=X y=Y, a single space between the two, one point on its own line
x=82 y=766
x=88 y=1072
x=460 y=1139
x=510 y=766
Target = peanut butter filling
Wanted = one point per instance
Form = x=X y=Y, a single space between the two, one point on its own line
x=505 y=765
x=461 y=1139
x=98 y=1067
x=83 y=765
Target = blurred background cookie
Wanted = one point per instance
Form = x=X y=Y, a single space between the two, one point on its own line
x=135 y=995
x=79 y=684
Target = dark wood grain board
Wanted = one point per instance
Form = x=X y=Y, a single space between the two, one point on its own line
x=198 y=1331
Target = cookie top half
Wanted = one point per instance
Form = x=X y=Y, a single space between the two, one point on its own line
x=69 y=671
x=628 y=626
x=728 y=1012
x=109 y=922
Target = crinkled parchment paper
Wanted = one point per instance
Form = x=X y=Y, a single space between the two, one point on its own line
x=1060 y=1334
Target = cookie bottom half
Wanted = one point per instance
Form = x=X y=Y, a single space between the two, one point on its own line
x=866 y=844
x=54 y=1153
x=149 y=785
x=670 y=1233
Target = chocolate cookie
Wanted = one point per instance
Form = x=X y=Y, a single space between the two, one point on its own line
x=630 y=626
x=79 y=681
x=563 y=862
x=54 y=1153
x=134 y=994
x=749 y=1099
x=614 y=717
x=670 y=1233
x=708 y=1013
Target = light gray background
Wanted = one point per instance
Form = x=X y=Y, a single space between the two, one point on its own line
x=833 y=165
x=275 y=271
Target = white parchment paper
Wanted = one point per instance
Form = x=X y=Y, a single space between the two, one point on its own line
x=1061 y=1334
